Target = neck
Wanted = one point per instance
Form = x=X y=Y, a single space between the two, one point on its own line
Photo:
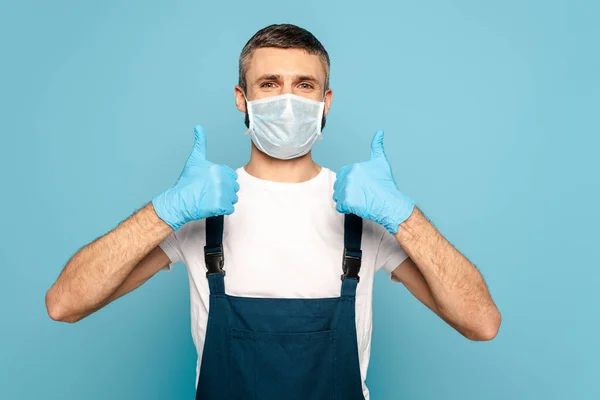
x=296 y=170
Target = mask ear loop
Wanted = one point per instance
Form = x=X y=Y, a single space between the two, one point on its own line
x=322 y=112
x=250 y=119
x=246 y=100
x=320 y=122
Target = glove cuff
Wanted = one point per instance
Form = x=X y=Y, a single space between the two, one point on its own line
x=163 y=210
x=404 y=209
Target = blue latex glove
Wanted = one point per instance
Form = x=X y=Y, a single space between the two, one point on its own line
x=368 y=190
x=203 y=190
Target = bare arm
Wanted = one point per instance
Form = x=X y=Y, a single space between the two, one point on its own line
x=445 y=281
x=411 y=277
x=109 y=267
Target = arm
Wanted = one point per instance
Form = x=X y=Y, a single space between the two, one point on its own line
x=445 y=281
x=442 y=278
x=102 y=271
x=109 y=267
x=146 y=269
x=410 y=276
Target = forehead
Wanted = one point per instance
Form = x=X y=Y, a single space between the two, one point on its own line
x=272 y=60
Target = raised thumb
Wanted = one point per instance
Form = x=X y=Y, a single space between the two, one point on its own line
x=377 y=145
x=199 y=143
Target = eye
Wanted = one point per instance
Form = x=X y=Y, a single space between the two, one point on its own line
x=269 y=85
x=306 y=85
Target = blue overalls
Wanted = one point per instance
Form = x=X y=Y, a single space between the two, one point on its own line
x=281 y=349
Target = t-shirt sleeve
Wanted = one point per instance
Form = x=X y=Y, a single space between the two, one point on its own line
x=170 y=246
x=389 y=254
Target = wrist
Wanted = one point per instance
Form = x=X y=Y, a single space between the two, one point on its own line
x=401 y=209
x=161 y=204
x=152 y=222
x=412 y=228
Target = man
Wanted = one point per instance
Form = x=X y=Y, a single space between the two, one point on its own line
x=281 y=287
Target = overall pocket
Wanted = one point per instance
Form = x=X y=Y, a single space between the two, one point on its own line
x=290 y=366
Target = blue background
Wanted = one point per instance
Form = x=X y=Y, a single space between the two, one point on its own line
x=491 y=113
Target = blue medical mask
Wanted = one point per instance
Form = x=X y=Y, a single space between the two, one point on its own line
x=285 y=126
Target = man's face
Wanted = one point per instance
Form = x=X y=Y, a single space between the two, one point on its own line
x=272 y=71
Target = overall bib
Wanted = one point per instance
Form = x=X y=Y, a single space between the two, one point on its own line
x=281 y=349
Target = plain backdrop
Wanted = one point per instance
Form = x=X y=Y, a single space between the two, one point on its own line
x=491 y=112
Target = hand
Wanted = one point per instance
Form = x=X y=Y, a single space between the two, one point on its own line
x=368 y=190
x=203 y=190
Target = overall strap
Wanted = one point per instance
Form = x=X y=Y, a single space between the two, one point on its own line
x=213 y=254
x=352 y=254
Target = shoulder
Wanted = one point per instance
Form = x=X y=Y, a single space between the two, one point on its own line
x=191 y=231
x=329 y=177
x=372 y=233
x=329 y=173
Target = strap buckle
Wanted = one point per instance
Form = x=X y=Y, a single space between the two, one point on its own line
x=213 y=257
x=351 y=263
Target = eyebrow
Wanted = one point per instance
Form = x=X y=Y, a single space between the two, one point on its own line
x=275 y=77
x=309 y=78
x=268 y=77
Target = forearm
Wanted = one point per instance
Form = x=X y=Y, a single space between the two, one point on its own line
x=99 y=268
x=456 y=285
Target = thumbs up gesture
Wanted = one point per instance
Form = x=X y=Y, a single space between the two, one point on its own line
x=368 y=190
x=204 y=189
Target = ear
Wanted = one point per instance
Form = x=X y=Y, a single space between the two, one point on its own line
x=327 y=99
x=240 y=101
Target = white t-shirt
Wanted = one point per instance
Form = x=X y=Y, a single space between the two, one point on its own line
x=284 y=240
